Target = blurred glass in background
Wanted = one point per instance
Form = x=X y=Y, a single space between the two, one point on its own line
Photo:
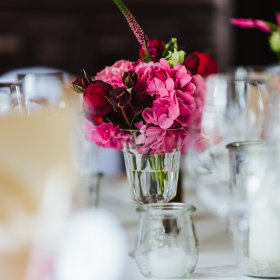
x=234 y=110
x=36 y=180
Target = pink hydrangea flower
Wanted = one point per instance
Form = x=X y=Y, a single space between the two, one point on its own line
x=178 y=94
x=104 y=135
x=113 y=74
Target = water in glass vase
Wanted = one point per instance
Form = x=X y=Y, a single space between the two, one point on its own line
x=152 y=178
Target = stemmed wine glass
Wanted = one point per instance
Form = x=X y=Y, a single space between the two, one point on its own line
x=234 y=110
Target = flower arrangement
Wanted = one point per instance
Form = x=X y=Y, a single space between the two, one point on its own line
x=268 y=27
x=162 y=91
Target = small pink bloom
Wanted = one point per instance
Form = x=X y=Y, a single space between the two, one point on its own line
x=251 y=23
x=242 y=22
x=104 y=135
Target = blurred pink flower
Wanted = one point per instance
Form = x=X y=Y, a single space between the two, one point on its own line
x=277 y=15
x=251 y=23
x=113 y=74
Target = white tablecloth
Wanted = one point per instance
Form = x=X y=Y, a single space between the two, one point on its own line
x=216 y=257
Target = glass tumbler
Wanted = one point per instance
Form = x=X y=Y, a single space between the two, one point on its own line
x=152 y=161
x=255 y=217
x=166 y=243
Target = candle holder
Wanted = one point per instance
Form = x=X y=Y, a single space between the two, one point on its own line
x=166 y=243
x=255 y=219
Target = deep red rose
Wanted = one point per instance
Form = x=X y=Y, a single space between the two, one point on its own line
x=201 y=63
x=191 y=62
x=155 y=48
x=96 y=102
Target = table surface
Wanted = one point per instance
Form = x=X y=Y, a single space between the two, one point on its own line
x=216 y=258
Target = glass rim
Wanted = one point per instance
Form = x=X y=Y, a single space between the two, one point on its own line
x=245 y=144
x=36 y=74
x=155 y=207
x=9 y=84
x=162 y=129
x=227 y=78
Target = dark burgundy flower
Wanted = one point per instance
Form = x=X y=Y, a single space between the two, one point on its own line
x=191 y=62
x=201 y=63
x=129 y=79
x=96 y=102
x=155 y=48
x=80 y=84
x=119 y=97
x=141 y=100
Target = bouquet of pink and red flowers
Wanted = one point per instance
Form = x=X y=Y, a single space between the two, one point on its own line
x=160 y=92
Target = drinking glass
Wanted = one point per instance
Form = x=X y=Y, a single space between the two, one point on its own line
x=90 y=175
x=254 y=215
x=234 y=110
x=42 y=89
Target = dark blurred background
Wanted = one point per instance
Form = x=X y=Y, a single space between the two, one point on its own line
x=75 y=34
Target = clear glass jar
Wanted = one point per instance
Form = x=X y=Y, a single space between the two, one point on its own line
x=166 y=243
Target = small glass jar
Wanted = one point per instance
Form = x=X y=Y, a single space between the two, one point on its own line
x=166 y=243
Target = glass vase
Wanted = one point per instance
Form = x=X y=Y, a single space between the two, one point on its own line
x=166 y=243
x=152 y=164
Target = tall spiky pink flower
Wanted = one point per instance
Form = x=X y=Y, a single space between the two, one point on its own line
x=134 y=25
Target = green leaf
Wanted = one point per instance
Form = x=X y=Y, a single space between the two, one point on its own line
x=172 y=54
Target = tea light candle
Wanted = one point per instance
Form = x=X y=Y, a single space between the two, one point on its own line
x=168 y=262
x=264 y=245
